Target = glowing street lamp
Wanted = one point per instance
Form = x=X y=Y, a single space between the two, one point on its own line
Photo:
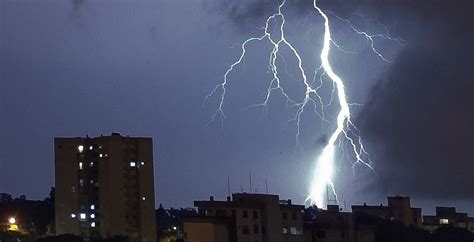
x=12 y=220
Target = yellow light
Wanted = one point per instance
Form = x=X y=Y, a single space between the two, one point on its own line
x=13 y=227
x=12 y=220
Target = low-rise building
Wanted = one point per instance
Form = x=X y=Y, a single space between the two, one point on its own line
x=447 y=216
x=398 y=209
x=244 y=218
x=330 y=225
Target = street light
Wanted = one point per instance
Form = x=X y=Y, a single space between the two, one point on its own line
x=12 y=220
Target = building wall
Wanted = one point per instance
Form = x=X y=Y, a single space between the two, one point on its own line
x=267 y=224
x=66 y=185
x=400 y=210
x=205 y=232
x=122 y=194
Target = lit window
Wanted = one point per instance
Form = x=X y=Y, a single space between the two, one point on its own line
x=443 y=221
x=293 y=230
x=285 y=230
x=81 y=182
x=91 y=147
x=82 y=216
x=175 y=228
x=80 y=148
x=100 y=155
x=73 y=215
x=106 y=155
x=143 y=198
x=92 y=207
x=93 y=224
x=80 y=165
x=142 y=163
x=92 y=215
x=91 y=181
x=91 y=164
x=133 y=164
x=100 y=146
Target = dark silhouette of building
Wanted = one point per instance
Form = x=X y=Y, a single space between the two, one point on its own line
x=247 y=217
x=105 y=187
x=398 y=209
x=447 y=216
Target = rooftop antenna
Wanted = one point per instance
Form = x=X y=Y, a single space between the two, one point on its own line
x=266 y=186
x=250 y=180
x=228 y=185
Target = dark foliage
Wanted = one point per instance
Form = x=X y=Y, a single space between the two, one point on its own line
x=62 y=238
x=167 y=219
x=36 y=216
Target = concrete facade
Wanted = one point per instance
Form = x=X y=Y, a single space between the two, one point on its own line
x=447 y=216
x=105 y=186
x=247 y=217
x=398 y=209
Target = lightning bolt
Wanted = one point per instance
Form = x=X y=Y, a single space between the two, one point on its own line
x=345 y=130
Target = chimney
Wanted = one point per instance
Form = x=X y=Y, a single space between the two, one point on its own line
x=211 y=198
x=228 y=198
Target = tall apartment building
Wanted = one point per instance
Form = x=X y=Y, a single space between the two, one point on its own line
x=105 y=187
x=246 y=218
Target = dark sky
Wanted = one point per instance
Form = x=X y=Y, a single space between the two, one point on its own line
x=143 y=68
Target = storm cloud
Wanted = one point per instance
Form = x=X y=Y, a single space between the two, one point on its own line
x=420 y=115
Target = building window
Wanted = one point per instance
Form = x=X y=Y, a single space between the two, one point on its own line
x=80 y=148
x=91 y=147
x=100 y=155
x=443 y=221
x=293 y=216
x=92 y=215
x=255 y=228
x=92 y=207
x=143 y=198
x=293 y=230
x=133 y=164
x=106 y=155
x=81 y=182
x=73 y=215
x=321 y=234
x=285 y=230
x=80 y=165
x=245 y=229
x=245 y=214
x=255 y=214
x=142 y=163
x=284 y=216
x=93 y=224
x=220 y=213
x=91 y=164
x=82 y=216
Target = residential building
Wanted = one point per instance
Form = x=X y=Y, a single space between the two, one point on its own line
x=447 y=216
x=105 y=187
x=331 y=225
x=398 y=209
x=244 y=218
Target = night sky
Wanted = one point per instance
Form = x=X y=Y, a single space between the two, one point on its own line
x=143 y=68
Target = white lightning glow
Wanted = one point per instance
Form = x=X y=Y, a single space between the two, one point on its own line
x=345 y=131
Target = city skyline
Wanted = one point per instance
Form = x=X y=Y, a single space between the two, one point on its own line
x=78 y=68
